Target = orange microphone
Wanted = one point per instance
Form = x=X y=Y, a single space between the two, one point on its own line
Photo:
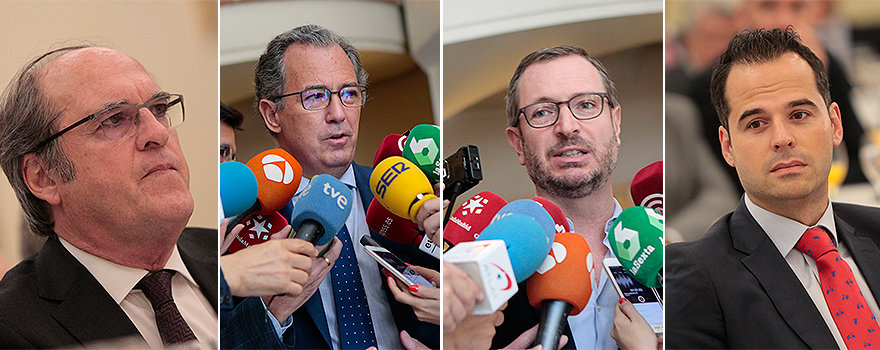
x=278 y=175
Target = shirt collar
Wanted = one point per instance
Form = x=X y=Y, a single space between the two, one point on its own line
x=785 y=232
x=119 y=280
x=617 y=210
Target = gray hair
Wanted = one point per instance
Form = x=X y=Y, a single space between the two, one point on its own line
x=26 y=118
x=270 y=74
x=547 y=54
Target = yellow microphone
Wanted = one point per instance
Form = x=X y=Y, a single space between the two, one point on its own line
x=400 y=186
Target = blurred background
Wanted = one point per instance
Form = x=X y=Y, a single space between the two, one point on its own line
x=176 y=41
x=399 y=43
x=484 y=41
x=845 y=34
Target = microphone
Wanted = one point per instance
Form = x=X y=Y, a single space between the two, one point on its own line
x=526 y=241
x=533 y=210
x=238 y=188
x=392 y=145
x=422 y=147
x=257 y=229
x=400 y=186
x=278 y=175
x=322 y=207
x=560 y=286
x=560 y=222
x=636 y=238
x=471 y=218
x=647 y=187
x=391 y=226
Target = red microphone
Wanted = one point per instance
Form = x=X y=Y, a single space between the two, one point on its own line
x=257 y=229
x=561 y=286
x=392 y=145
x=466 y=224
x=647 y=187
x=558 y=216
x=391 y=226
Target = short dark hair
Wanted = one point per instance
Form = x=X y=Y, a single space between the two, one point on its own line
x=231 y=116
x=548 y=54
x=760 y=46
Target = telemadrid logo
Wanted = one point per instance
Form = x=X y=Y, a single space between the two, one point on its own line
x=272 y=164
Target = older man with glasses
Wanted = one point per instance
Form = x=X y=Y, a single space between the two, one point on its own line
x=88 y=142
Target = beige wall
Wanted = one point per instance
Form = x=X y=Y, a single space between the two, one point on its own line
x=177 y=43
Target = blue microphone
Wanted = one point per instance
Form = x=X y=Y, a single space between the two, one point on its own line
x=527 y=244
x=533 y=210
x=238 y=188
x=321 y=207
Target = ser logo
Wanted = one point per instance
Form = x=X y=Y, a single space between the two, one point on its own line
x=272 y=169
x=389 y=176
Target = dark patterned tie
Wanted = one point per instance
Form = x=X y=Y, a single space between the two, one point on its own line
x=850 y=312
x=352 y=312
x=172 y=327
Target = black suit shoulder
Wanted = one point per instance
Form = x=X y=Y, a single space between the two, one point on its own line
x=198 y=248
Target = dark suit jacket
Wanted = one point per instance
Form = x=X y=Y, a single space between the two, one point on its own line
x=249 y=326
x=732 y=288
x=51 y=300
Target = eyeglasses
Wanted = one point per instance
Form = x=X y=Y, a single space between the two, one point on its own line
x=319 y=98
x=116 y=120
x=546 y=113
x=226 y=154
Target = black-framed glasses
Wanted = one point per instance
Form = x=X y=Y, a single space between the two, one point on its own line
x=546 y=113
x=319 y=98
x=116 y=121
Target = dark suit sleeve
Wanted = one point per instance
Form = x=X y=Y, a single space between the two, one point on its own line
x=693 y=313
x=248 y=327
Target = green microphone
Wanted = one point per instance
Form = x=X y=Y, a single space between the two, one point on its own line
x=422 y=147
x=636 y=238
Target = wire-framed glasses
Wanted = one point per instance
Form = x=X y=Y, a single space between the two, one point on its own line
x=117 y=120
x=583 y=107
x=319 y=97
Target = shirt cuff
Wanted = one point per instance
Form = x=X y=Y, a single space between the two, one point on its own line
x=279 y=328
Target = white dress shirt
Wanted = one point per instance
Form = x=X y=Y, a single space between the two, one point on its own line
x=785 y=233
x=119 y=280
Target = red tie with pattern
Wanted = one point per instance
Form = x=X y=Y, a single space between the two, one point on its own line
x=850 y=312
x=172 y=327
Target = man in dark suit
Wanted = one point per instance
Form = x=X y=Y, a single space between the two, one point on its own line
x=310 y=86
x=89 y=145
x=756 y=279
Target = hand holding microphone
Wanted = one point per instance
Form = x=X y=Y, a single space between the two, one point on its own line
x=460 y=293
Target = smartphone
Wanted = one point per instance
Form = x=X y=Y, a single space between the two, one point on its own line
x=397 y=267
x=645 y=299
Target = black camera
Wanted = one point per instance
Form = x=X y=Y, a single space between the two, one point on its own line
x=461 y=171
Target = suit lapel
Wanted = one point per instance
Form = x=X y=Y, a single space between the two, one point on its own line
x=774 y=275
x=194 y=246
x=864 y=251
x=62 y=278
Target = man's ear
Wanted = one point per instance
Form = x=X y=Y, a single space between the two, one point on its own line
x=724 y=138
x=515 y=139
x=39 y=180
x=269 y=111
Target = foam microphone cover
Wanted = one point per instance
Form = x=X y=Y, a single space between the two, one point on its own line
x=647 y=187
x=531 y=209
x=392 y=145
x=278 y=176
x=400 y=186
x=526 y=242
x=422 y=147
x=472 y=217
x=257 y=229
x=636 y=238
x=561 y=223
x=391 y=226
x=565 y=274
x=321 y=209
x=238 y=188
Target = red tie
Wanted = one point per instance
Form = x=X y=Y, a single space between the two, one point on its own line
x=850 y=312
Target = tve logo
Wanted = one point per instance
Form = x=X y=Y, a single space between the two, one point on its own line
x=389 y=176
x=341 y=200
x=272 y=168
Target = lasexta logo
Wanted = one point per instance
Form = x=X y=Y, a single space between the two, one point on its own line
x=627 y=242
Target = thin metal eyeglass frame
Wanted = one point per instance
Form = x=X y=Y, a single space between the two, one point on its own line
x=329 y=92
x=604 y=96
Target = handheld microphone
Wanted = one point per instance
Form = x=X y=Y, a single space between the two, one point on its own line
x=257 y=229
x=322 y=207
x=278 y=175
x=392 y=145
x=400 y=186
x=560 y=222
x=560 y=286
x=647 y=187
x=636 y=238
x=471 y=218
x=238 y=188
x=422 y=147
x=526 y=241
x=533 y=210
x=391 y=226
